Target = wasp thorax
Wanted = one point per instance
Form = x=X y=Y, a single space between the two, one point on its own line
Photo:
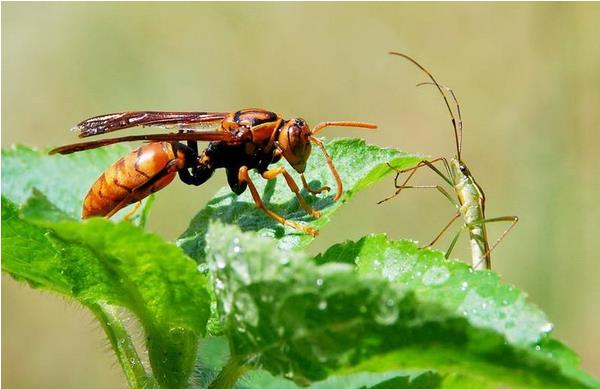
x=294 y=143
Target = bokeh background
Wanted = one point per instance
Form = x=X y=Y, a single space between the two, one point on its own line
x=527 y=76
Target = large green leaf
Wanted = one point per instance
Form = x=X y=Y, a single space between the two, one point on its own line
x=477 y=295
x=359 y=165
x=63 y=179
x=214 y=352
x=306 y=322
x=101 y=264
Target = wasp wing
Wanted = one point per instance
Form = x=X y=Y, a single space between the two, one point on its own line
x=207 y=136
x=121 y=120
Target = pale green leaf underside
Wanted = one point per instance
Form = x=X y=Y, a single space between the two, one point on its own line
x=294 y=318
x=359 y=166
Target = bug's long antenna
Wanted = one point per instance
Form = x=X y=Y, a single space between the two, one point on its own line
x=460 y=121
x=456 y=138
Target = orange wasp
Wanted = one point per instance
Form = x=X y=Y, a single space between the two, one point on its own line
x=238 y=142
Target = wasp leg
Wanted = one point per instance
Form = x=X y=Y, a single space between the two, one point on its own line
x=243 y=176
x=313 y=191
x=132 y=211
x=273 y=173
x=413 y=170
x=512 y=219
x=169 y=168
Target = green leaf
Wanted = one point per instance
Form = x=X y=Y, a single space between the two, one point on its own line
x=260 y=379
x=214 y=352
x=359 y=166
x=98 y=262
x=63 y=179
x=477 y=295
x=291 y=317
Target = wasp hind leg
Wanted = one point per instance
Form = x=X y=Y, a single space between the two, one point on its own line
x=244 y=177
x=132 y=211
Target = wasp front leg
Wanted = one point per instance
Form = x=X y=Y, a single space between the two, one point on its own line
x=311 y=190
x=273 y=173
x=244 y=177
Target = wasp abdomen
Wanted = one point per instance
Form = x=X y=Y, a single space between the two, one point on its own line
x=132 y=178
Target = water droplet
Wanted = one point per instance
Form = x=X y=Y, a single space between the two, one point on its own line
x=219 y=284
x=220 y=261
x=319 y=282
x=284 y=260
x=387 y=313
x=546 y=327
x=464 y=285
x=538 y=348
x=242 y=270
x=437 y=275
x=246 y=309
x=203 y=267
x=322 y=305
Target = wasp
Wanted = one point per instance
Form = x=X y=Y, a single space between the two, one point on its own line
x=470 y=199
x=238 y=142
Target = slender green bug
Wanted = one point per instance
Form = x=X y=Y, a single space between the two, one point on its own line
x=470 y=199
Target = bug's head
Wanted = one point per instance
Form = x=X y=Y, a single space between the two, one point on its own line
x=458 y=170
x=294 y=142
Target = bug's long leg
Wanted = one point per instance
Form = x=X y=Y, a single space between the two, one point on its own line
x=413 y=170
x=454 y=218
x=512 y=219
x=243 y=176
x=313 y=191
x=273 y=173
x=453 y=243
x=336 y=175
x=439 y=188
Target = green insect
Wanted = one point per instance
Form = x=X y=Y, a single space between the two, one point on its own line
x=470 y=199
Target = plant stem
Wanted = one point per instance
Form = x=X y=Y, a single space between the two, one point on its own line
x=229 y=375
x=122 y=344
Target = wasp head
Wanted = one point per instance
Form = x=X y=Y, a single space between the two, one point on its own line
x=294 y=143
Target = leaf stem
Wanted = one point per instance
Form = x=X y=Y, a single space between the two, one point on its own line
x=229 y=375
x=122 y=344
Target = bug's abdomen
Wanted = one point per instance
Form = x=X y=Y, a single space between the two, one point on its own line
x=132 y=178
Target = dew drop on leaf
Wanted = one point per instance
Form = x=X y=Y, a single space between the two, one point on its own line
x=437 y=275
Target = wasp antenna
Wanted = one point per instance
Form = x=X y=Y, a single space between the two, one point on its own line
x=456 y=138
x=460 y=121
x=321 y=126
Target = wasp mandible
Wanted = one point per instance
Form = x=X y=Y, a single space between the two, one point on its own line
x=238 y=142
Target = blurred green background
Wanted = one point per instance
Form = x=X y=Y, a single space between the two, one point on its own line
x=526 y=74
